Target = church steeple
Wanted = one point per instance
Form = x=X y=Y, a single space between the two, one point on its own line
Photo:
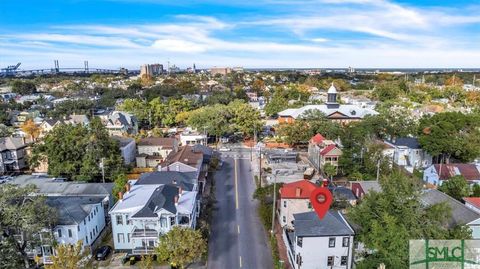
x=332 y=95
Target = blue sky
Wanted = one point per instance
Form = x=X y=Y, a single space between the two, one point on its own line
x=260 y=33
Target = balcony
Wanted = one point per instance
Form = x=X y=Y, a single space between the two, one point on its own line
x=144 y=233
x=143 y=250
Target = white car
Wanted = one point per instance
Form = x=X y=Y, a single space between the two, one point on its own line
x=224 y=149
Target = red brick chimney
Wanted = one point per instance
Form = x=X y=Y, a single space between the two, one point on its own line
x=298 y=191
x=175 y=200
x=120 y=196
x=127 y=187
x=180 y=191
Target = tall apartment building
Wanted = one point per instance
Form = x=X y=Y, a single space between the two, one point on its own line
x=151 y=70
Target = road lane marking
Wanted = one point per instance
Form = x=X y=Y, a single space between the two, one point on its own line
x=240 y=261
x=238 y=229
x=236 y=184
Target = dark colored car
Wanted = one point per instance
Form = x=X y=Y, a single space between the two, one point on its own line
x=102 y=253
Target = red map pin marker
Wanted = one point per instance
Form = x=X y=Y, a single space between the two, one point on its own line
x=321 y=199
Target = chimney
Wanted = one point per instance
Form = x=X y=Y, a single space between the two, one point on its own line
x=120 y=196
x=180 y=191
x=175 y=200
x=127 y=187
x=298 y=191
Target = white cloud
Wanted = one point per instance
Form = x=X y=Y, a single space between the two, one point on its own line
x=385 y=34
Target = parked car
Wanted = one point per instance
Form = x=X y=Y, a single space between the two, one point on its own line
x=224 y=149
x=102 y=253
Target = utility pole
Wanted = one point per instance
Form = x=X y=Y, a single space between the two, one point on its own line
x=260 y=167
x=103 y=169
x=274 y=203
x=378 y=169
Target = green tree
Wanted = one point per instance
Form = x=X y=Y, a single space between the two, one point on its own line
x=388 y=219
x=10 y=257
x=23 y=87
x=457 y=187
x=136 y=107
x=451 y=134
x=181 y=246
x=244 y=118
x=24 y=214
x=476 y=190
x=119 y=184
x=329 y=170
x=76 y=151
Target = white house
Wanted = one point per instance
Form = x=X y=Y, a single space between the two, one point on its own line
x=119 y=123
x=153 y=150
x=406 y=152
x=437 y=173
x=320 y=244
x=147 y=211
x=189 y=137
x=127 y=148
x=294 y=199
x=79 y=218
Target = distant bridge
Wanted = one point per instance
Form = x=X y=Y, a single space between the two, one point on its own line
x=69 y=71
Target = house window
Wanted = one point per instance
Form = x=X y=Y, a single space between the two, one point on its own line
x=331 y=242
x=88 y=217
x=299 y=241
x=119 y=220
x=91 y=236
x=284 y=203
x=163 y=222
x=284 y=219
x=84 y=222
x=343 y=260
x=96 y=228
x=309 y=205
x=172 y=221
x=129 y=222
x=78 y=228
x=86 y=239
x=128 y=238
x=120 y=238
x=70 y=233
x=59 y=233
x=330 y=260
x=345 y=241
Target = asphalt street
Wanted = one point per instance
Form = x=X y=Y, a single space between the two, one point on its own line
x=238 y=239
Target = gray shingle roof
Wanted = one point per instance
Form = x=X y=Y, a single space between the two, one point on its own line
x=48 y=186
x=11 y=143
x=186 y=180
x=72 y=210
x=309 y=224
x=410 y=142
x=162 y=197
x=460 y=213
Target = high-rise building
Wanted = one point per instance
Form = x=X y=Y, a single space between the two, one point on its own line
x=220 y=70
x=151 y=70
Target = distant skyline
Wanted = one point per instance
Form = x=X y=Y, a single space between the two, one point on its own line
x=252 y=34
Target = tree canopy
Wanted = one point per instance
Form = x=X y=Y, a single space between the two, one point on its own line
x=181 y=246
x=389 y=219
x=75 y=152
x=25 y=214
x=451 y=134
x=457 y=187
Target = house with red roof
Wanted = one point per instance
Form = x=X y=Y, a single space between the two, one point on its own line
x=473 y=203
x=436 y=174
x=294 y=199
x=322 y=151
